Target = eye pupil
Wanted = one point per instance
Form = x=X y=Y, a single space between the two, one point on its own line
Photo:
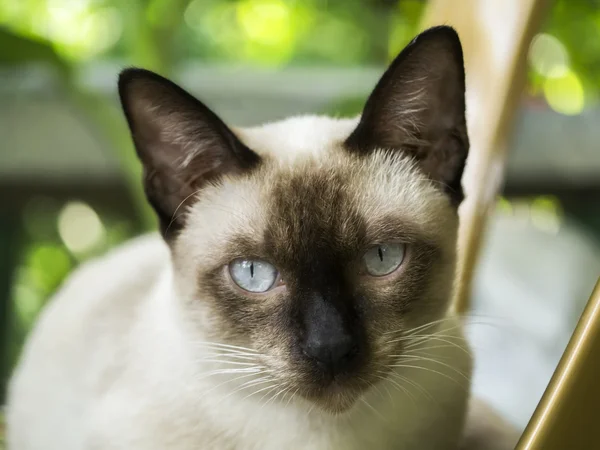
x=253 y=275
x=383 y=259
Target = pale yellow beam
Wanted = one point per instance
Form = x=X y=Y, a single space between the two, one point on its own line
x=495 y=35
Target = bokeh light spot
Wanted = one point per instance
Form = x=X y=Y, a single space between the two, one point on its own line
x=565 y=94
x=77 y=29
x=80 y=227
x=546 y=214
x=265 y=21
x=28 y=302
x=548 y=56
x=269 y=30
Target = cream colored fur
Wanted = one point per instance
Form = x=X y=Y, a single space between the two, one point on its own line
x=112 y=362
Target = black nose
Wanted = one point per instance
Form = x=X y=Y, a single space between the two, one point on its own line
x=333 y=353
x=329 y=342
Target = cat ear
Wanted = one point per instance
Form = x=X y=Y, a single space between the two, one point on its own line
x=181 y=143
x=418 y=107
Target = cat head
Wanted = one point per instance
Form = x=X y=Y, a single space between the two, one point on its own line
x=314 y=243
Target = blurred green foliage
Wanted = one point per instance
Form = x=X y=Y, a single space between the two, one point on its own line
x=576 y=25
x=161 y=34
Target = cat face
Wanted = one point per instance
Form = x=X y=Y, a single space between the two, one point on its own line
x=313 y=242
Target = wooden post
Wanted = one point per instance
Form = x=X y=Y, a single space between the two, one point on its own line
x=495 y=35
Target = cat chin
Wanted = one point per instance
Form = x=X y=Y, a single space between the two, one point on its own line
x=336 y=405
x=337 y=398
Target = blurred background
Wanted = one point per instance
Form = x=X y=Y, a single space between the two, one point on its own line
x=69 y=179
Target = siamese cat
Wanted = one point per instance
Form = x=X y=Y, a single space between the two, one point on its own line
x=298 y=297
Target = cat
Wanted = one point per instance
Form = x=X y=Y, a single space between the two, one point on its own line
x=299 y=296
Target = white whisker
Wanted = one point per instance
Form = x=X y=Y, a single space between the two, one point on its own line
x=226 y=346
x=292 y=396
x=415 y=345
x=362 y=399
x=235 y=363
x=235 y=379
x=261 y=390
x=248 y=385
x=274 y=397
x=426 y=349
x=251 y=370
x=423 y=358
x=399 y=386
x=225 y=355
x=428 y=369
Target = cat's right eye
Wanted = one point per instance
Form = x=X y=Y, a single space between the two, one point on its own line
x=383 y=259
x=253 y=275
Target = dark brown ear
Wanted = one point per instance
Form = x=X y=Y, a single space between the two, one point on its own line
x=182 y=144
x=418 y=107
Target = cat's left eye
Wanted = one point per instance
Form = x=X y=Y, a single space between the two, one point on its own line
x=253 y=275
x=383 y=259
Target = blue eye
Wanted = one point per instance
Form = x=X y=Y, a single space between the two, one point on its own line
x=253 y=275
x=383 y=259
